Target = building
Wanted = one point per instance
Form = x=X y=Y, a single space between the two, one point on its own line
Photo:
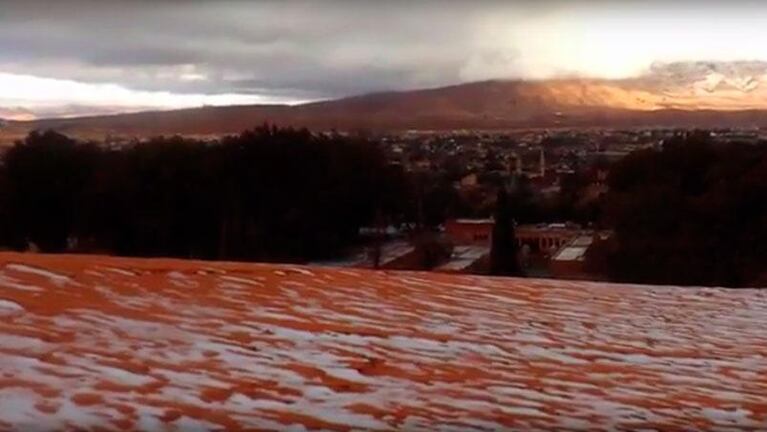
x=569 y=262
x=469 y=231
x=547 y=238
x=469 y=181
x=515 y=165
x=391 y=254
x=546 y=250
x=540 y=238
x=467 y=259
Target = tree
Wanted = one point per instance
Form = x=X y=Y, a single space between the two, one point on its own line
x=693 y=213
x=46 y=176
x=267 y=194
x=503 y=252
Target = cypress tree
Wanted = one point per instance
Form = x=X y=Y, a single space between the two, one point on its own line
x=503 y=252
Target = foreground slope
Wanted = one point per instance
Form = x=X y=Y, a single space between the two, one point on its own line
x=153 y=344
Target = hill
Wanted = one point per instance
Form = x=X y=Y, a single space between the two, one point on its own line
x=678 y=94
x=92 y=342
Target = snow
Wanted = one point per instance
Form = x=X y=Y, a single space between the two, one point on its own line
x=463 y=257
x=10 y=308
x=185 y=424
x=56 y=278
x=18 y=407
x=9 y=282
x=120 y=271
x=239 y=279
x=294 y=348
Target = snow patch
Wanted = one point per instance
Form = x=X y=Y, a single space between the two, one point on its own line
x=56 y=278
x=9 y=308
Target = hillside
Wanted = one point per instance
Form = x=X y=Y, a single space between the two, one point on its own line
x=91 y=342
x=684 y=95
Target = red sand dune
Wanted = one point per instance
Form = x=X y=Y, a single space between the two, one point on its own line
x=112 y=343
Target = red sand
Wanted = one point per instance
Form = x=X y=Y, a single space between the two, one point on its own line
x=114 y=343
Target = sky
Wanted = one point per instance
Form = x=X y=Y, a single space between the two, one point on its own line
x=82 y=57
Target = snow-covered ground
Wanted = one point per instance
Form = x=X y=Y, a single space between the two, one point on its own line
x=182 y=345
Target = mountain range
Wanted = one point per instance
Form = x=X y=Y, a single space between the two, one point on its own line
x=684 y=94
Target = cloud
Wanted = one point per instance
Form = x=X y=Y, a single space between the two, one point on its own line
x=197 y=51
x=16 y=113
x=53 y=97
x=302 y=46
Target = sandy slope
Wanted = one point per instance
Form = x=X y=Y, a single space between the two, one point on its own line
x=116 y=343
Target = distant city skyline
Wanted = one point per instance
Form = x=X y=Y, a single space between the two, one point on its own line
x=80 y=57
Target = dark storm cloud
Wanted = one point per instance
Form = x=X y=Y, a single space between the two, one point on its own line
x=302 y=48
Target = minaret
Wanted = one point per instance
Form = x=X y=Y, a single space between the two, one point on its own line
x=543 y=163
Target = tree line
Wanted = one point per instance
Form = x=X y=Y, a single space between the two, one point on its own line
x=267 y=194
x=693 y=213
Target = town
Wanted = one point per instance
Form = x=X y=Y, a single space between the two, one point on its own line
x=560 y=174
x=407 y=201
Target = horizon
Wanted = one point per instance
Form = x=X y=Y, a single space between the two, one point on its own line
x=653 y=71
x=82 y=58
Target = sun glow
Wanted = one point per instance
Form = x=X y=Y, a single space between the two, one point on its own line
x=613 y=41
x=68 y=98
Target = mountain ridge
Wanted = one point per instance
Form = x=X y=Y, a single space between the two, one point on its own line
x=707 y=94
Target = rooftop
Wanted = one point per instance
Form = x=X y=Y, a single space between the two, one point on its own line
x=362 y=257
x=575 y=250
x=475 y=221
x=463 y=257
x=117 y=343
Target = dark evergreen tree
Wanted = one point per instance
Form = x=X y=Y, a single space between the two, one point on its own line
x=46 y=176
x=693 y=213
x=268 y=194
x=503 y=253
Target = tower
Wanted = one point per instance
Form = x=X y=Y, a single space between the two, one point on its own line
x=543 y=163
